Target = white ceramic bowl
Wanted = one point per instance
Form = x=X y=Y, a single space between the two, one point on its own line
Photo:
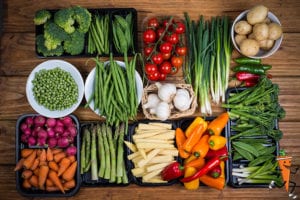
x=89 y=86
x=50 y=64
x=261 y=53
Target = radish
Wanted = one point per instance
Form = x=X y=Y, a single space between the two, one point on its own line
x=73 y=131
x=27 y=132
x=42 y=134
x=24 y=138
x=50 y=132
x=71 y=150
x=59 y=129
x=39 y=120
x=67 y=121
x=63 y=142
x=29 y=121
x=41 y=141
x=31 y=141
x=59 y=122
x=52 y=142
x=24 y=126
x=50 y=122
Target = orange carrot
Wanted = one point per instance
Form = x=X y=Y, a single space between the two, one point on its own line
x=19 y=165
x=52 y=188
x=69 y=184
x=53 y=165
x=197 y=163
x=35 y=164
x=34 y=181
x=59 y=156
x=72 y=158
x=43 y=163
x=63 y=166
x=55 y=179
x=49 y=154
x=55 y=151
x=36 y=171
x=49 y=182
x=217 y=183
x=284 y=163
x=43 y=156
x=26 y=152
x=38 y=152
x=43 y=173
x=27 y=173
x=69 y=174
x=29 y=160
x=26 y=184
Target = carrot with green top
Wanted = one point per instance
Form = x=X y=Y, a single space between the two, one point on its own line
x=216 y=126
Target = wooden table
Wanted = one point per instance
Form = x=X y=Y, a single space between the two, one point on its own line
x=18 y=58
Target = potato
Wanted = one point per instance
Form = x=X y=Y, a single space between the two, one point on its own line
x=275 y=31
x=257 y=14
x=249 y=47
x=267 y=20
x=261 y=31
x=251 y=36
x=242 y=27
x=239 y=38
x=266 y=44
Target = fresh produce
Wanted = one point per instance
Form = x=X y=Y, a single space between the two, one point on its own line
x=256 y=32
x=193 y=184
x=216 y=126
x=55 y=89
x=208 y=65
x=155 y=150
x=284 y=163
x=102 y=153
x=172 y=171
x=48 y=171
x=216 y=142
x=164 y=47
x=53 y=132
x=63 y=31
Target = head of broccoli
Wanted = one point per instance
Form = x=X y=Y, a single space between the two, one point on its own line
x=83 y=18
x=41 y=48
x=64 y=19
x=41 y=17
x=75 y=44
x=54 y=35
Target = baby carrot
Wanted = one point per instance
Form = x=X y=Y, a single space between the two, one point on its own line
x=34 y=181
x=71 y=158
x=43 y=173
x=56 y=151
x=55 y=179
x=49 y=182
x=19 y=165
x=49 y=154
x=29 y=160
x=63 y=166
x=52 y=188
x=26 y=184
x=43 y=156
x=36 y=171
x=53 y=165
x=43 y=163
x=35 y=164
x=70 y=172
x=27 y=173
x=26 y=152
x=59 y=156
x=69 y=184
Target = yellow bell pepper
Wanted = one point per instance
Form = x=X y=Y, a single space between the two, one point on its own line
x=194 y=184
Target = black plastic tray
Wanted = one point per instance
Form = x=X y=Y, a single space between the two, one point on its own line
x=137 y=180
x=86 y=177
x=101 y=11
x=40 y=193
x=232 y=179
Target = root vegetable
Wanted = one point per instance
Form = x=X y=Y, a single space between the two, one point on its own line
x=266 y=44
x=63 y=142
x=162 y=111
x=152 y=101
x=29 y=121
x=71 y=151
x=166 y=91
x=26 y=152
x=31 y=141
x=50 y=122
x=242 y=27
x=55 y=179
x=261 y=31
x=182 y=100
x=39 y=121
x=275 y=31
x=239 y=38
x=249 y=47
x=43 y=173
x=257 y=14
x=70 y=172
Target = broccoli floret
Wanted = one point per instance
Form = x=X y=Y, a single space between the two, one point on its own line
x=83 y=18
x=75 y=44
x=41 y=17
x=64 y=18
x=40 y=41
x=54 y=35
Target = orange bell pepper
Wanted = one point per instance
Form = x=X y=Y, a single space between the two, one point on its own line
x=194 y=137
x=193 y=125
x=216 y=142
x=180 y=139
x=216 y=126
x=197 y=163
x=202 y=147
x=217 y=183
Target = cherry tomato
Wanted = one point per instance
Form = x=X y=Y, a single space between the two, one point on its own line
x=162 y=77
x=149 y=36
x=177 y=61
x=174 y=70
x=173 y=38
x=166 y=56
x=159 y=32
x=165 y=67
x=157 y=58
x=165 y=47
x=150 y=68
x=166 y=22
x=154 y=77
x=179 y=27
x=148 y=50
x=181 y=50
x=153 y=22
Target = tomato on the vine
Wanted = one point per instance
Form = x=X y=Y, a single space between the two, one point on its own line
x=176 y=61
x=157 y=58
x=173 y=38
x=165 y=47
x=165 y=67
x=162 y=77
x=149 y=36
x=148 y=50
x=150 y=68
x=166 y=56
x=153 y=22
x=154 y=77
x=181 y=50
x=166 y=23
x=159 y=32
x=179 y=27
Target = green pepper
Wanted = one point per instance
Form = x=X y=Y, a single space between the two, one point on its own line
x=246 y=60
x=254 y=69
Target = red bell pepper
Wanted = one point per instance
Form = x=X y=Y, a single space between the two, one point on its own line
x=221 y=152
x=216 y=171
x=207 y=167
x=246 y=76
x=172 y=171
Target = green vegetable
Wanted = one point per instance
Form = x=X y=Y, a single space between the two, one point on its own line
x=55 y=89
x=74 y=45
x=94 y=162
x=87 y=150
x=112 y=155
x=54 y=35
x=107 y=153
x=102 y=159
x=41 y=17
x=64 y=19
x=82 y=18
x=254 y=69
x=82 y=154
x=41 y=48
x=246 y=60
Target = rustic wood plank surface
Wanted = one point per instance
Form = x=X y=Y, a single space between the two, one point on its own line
x=18 y=58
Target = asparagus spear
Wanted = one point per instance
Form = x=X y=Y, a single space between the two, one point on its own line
x=87 y=150
x=120 y=158
x=82 y=153
x=112 y=154
x=107 y=157
x=101 y=153
x=94 y=164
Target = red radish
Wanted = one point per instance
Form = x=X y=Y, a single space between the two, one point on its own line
x=27 y=131
x=71 y=139
x=50 y=132
x=36 y=130
x=50 y=122
x=63 y=142
x=31 y=141
x=52 y=142
x=71 y=150
x=41 y=141
x=23 y=126
x=29 y=121
x=67 y=121
x=59 y=122
x=59 y=129
x=42 y=134
x=24 y=138
x=73 y=131
x=66 y=133
x=39 y=120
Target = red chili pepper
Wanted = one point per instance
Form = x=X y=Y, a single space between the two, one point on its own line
x=246 y=76
x=250 y=83
x=207 y=167
x=213 y=153
x=172 y=171
x=216 y=171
